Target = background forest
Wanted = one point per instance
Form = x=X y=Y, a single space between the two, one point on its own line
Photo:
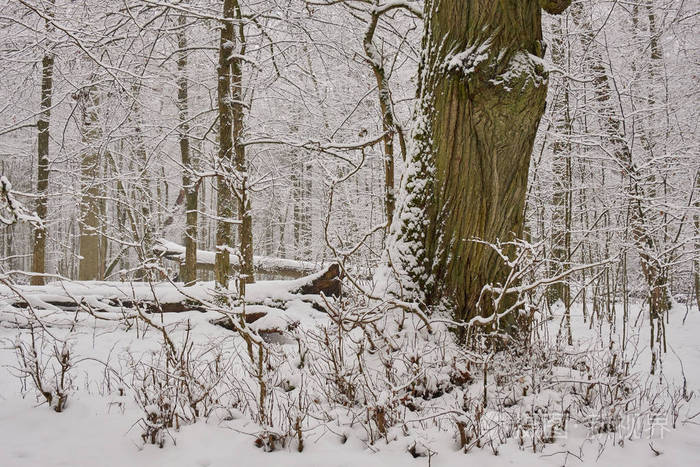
x=129 y=93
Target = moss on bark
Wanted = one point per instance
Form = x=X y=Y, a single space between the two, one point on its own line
x=482 y=89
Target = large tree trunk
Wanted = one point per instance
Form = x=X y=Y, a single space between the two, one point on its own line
x=42 y=180
x=481 y=95
x=188 y=269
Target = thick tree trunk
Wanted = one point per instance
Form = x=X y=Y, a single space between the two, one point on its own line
x=42 y=182
x=188 y=269
x=232 y=162
x=482 y=93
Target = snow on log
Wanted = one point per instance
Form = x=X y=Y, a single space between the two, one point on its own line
x=288 y=268
x=328 y=281
x=270 y=305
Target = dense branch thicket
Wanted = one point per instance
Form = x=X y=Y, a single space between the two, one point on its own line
x=256 y=129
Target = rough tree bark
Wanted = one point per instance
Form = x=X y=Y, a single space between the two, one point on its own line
x=232 y=163
x=482 y=88
x=42 y=180
x=188 y=269
x=224 y=204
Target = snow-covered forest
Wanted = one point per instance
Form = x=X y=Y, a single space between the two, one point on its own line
x=349 y=232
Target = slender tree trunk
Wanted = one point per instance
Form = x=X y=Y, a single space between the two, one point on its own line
x=302 y=186
x=245 y=229
x=282 y=247
x=386 y=107
x=297 y=169
x=224 y=203
x=696 y=260
x=42 y=183
x=205 y=231
x=561 y=168
x=127 y=224
x=307 y=218
x=482 y=92
x=188 y=270
x=92 y=254
x=232 y=153
x=656 y=75
x=143 y=191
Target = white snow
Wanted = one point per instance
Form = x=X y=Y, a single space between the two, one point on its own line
x=99 y=426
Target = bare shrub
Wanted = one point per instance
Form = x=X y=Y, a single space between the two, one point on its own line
x=178 y=384
x=47 y=363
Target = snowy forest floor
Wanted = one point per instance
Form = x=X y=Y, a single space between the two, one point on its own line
x=100 y=425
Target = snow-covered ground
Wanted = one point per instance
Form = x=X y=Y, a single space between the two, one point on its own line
x=100 y=425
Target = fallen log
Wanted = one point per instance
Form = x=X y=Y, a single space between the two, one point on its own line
x=152 y=307
x=250 y=318
x=327 y=282
x=78 y=295
x=266 y=302
x=282 y=267
x=100 y=304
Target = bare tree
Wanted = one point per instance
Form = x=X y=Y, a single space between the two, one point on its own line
x=188 y=270
x=232 y=180
x=92 y=206
x=43 y=141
